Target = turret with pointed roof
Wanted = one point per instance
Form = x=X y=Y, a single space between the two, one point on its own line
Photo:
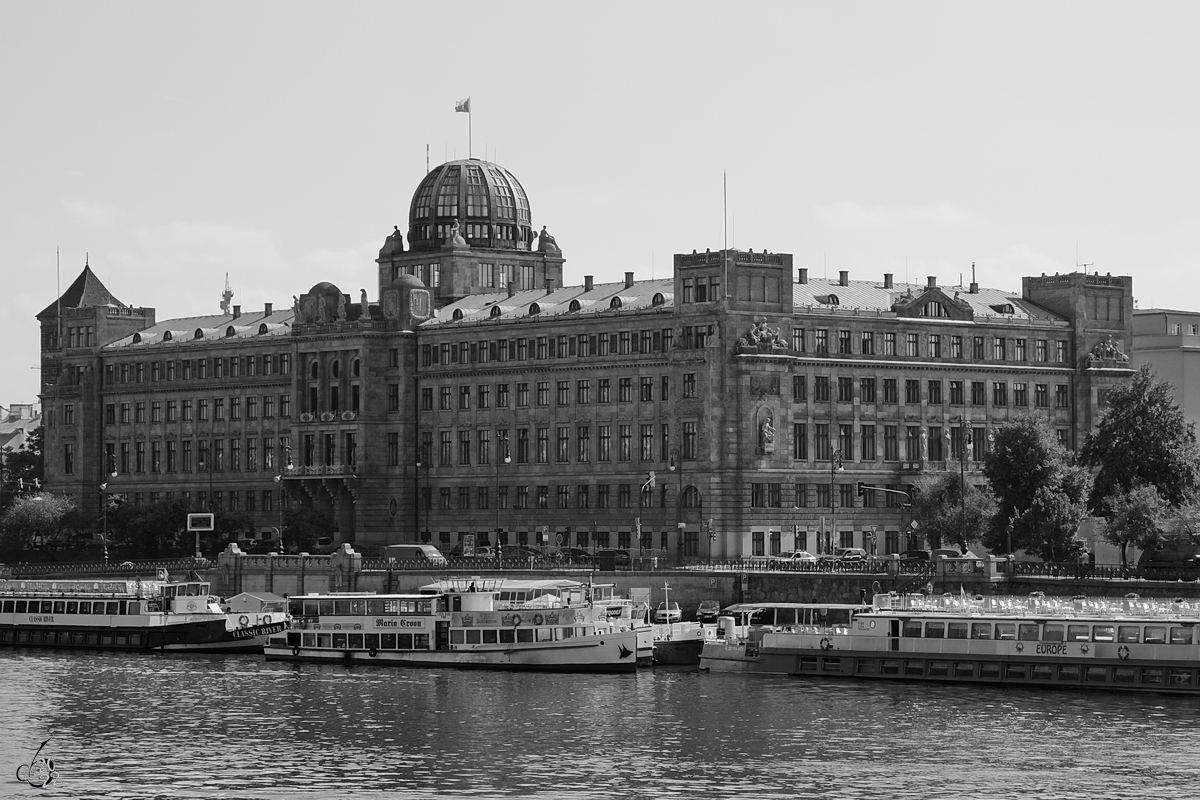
x=87 y=290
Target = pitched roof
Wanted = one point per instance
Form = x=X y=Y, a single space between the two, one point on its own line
x=564 y=300
x=87 y=290
x=873 y=296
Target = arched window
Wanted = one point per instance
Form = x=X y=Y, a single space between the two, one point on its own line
x=691 y=498
x=312 y=369
x=496 y=311
x=335 y=368
x=262 y=329
x=615 y=303
x=199 y=334
x=457 y=315
x=137 y=338
x=574 y=305
x=167 y=336
x=229 y=331
x=356 y=367
x=534 y=309
x=658 y=299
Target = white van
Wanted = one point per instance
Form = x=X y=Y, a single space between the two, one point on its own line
x=415 y=552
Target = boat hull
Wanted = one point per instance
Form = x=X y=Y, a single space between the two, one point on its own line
x=209 y=636
x=610 y=652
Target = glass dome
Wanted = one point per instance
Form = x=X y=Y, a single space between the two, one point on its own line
x=489 y=204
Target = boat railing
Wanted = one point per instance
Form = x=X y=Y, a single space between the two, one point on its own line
x=1037 y=605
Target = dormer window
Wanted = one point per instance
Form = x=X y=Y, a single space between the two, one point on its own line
x=199 y=334
x=495 y=312
x=1004 y=308
x=828 y=299
x=167 y=336
x=229 y=331
x=934 y=309
x=658 y=299
x=457 y=315
x=137 y=338
x=615 y=303
x=534 y=309
x=262 y=329
x=574 y=306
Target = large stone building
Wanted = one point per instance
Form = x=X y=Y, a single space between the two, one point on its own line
x=730 y=409
x=1169 y=341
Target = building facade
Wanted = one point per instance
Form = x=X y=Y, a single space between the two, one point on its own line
x=731 y=409
x=1169 y=341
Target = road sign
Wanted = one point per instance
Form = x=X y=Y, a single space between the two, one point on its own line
x=200 y=522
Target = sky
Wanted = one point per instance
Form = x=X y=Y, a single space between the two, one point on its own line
x=172 y=144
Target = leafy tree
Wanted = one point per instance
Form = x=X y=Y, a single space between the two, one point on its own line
x=150 y=531
x=1040 y=494
x=938 y=507
x=1143 y=438
x=35 y=522
x=1136 y=518
x=302 y=526
x=23 y=465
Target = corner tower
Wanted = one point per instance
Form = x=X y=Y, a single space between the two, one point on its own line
x=470 y=231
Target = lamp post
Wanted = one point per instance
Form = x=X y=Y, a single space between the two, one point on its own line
x=835 y=466
x=112 y=469
x=965 y=440
x=501 y=444
x=286 y=452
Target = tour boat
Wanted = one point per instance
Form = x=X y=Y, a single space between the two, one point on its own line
x=1129 y=644
x=127 y=615
x=459 y=622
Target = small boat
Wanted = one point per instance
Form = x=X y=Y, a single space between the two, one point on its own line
x=460 y=622
x=130 y=614
x=680 y=643
x=1127 y=644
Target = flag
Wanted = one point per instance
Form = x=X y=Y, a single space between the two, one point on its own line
x=463 y=105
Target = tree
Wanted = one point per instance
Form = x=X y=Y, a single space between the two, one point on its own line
x=1136 y=518
x=1038 y=491
x=938 y=506
x=150 y=531
x=24 y=465
x=1143 y=438
x=302 y=526
x=35 y=522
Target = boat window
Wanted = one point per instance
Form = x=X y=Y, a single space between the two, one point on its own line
x=21 y=605
x=1042 y=672
x=1027 y=631
x=912 y=629
x=374 y=606
x=1096 y=674
x=404 y=641
x=1152 y=675
x=1130 y=634
x=1179 y=677
x=355 y=641
x=205 y=588
x=85 y=607
x=1052 y=633
x=193 y=590
x=357 y=607
x=567 y=633
x=341 y=607
x=1181 y=635
x=489 y=635
x=935 y=630
x=420 y=641
x=60 y=606
x=981 y=630
x=326 y=607
x=956 y=630
x=474 y=636
x=1103 y=633
x=168 y=592
x=508 y=636
x=387 y=641
x=339 y=641
x=7 y=607
x=112 y=608
x=48 y=605
x=324 y=640
x=1077 y=633
x=524 y=634
x=1156 y=634
x=1006 y=630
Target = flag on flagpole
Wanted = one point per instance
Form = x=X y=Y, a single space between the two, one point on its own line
x=463 y=105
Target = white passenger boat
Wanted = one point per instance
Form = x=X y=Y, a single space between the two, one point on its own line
x=469 y=623
x=1095 y=643
x=127 y=615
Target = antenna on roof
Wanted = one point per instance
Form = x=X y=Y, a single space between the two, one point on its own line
x=725 y=231
x=427 y=158
x=226 y=296
x=1077 y=264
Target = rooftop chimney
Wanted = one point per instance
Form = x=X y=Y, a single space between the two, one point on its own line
x=804 y=275
x=587 y=283
x=931 y=281
x=844 y=277
x=237 y=311
x=974 y=285
x=628 y=280
x=267 y=310
x=887 y=280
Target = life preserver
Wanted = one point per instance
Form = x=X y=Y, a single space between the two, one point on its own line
x=826 y=644
x=162 y=574
x=372 y=652
x=1083 y=648
x=1020 y=647
x=191 y=606
x=1122 y=652
x=243 y=620
x=295 y=651
x=537 y=619
x=266 y=620
x=516 y=619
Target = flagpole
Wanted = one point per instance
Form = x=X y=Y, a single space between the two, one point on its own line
x=468 y=131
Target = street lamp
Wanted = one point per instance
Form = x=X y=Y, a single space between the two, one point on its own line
x=112 y=469
x=835 y=466
x=965 y=440
x=286 y=452
x=507 y=461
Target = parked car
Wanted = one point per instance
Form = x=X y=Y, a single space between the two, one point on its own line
x=668 y=611
x=620 y=558
x=708 y=611
x=415 y=553
x=796 y=556
x=523 y=553
x=324 y=546
x=573 y=555
x=264 y=546
x=915 y=555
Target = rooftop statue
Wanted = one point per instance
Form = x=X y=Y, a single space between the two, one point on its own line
x=455 y=238
x=546 y=243
x=1107 y=350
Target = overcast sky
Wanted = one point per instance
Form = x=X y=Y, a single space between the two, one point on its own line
x=280 y=142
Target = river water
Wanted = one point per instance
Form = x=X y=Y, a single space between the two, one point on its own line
x=179 y=726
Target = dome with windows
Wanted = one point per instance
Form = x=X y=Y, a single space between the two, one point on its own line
x=489 y=204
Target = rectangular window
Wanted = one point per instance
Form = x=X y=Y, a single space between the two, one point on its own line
x=799 y=388
x=604 y=390
x=1019 y=349
x=912 y=345
x=844 y=343
x=1020 y=395
x=464 y=398
x=1061 y=396
x=522 y=395
x=821 y=388
x=956 y=393
x=977 y=348
x=1000 y=349
x=625 y=390
x=800 y=441
x=798 y=340
x=935 y=393
x=867 y=343
x=689 y=440
x=1041 y=394
x=866 y=390
x=935 y=345
x=912 y=392
x=646 y=438
x=891 y=447
x=891 y=390
x=889 y=344
x=912 y=443
x=822 y=340
x=867 y=434
x=956 y=347
x=647 y=390
x=999 y=393
x=1060 y=352
x=800 y=499
x=689 y=385
x=845 y=390
x=978 y=393
x=821 y=448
